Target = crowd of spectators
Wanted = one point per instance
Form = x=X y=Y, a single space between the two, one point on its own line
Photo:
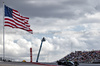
x=84 y=56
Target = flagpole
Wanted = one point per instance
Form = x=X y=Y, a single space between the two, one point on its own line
x=3 y=34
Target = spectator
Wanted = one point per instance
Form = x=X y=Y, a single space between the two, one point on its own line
x=84 y=57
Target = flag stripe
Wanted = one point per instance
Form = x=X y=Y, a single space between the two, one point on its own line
x=8 y=23
x=15 y=20
x=15 y=10
x=16 y=13
x=9 y=26
x=17 y=17
x=11 y=23
x=13 y=26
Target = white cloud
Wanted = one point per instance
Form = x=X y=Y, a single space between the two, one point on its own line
x=93 y=16
x=78 y=31
x=57 y=45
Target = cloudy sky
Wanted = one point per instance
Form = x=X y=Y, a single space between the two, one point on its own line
x=67 y=25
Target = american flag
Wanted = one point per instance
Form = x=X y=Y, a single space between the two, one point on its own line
x=15 y=20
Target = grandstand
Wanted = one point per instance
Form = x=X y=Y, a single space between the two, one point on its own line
x=83 y=56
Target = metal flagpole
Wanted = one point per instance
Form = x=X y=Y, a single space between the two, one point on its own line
x=3 y=34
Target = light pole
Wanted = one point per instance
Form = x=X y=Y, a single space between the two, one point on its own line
x=43 y=39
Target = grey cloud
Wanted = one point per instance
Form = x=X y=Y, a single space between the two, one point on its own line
x=62 y=9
